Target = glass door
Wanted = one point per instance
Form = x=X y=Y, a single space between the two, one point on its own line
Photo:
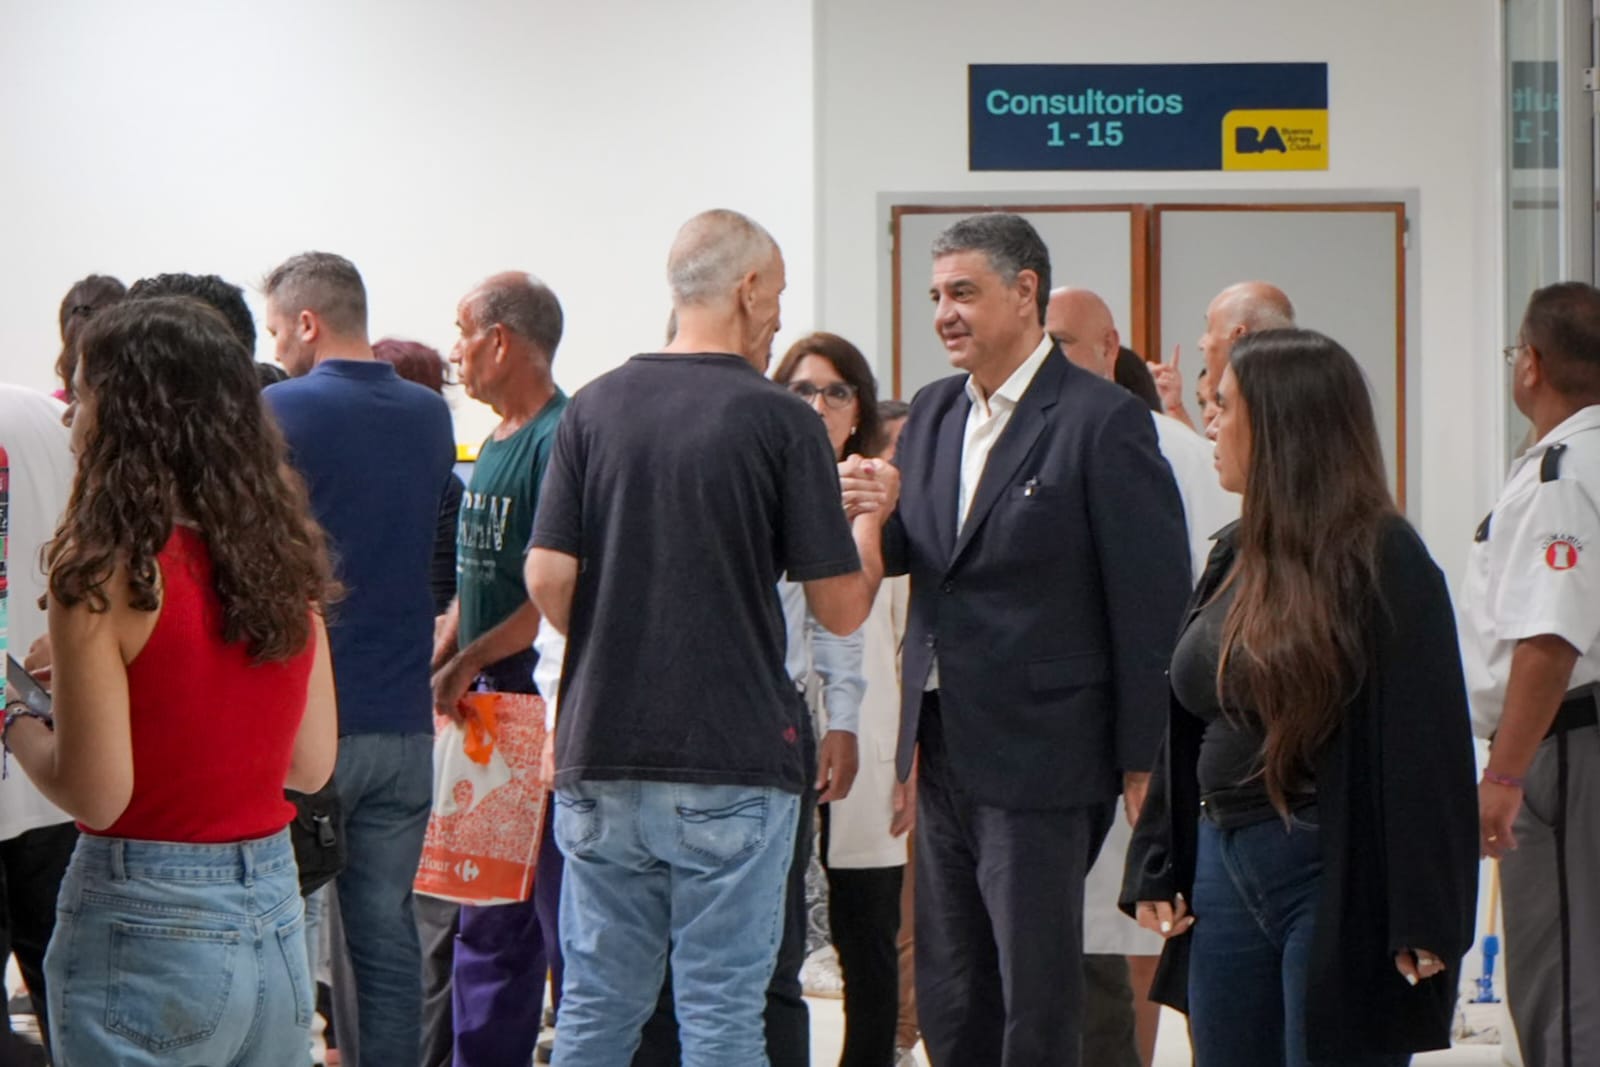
x=1550 y=159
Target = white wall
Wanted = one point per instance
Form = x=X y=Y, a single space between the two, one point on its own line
x=433 y=144
x=1414 y=103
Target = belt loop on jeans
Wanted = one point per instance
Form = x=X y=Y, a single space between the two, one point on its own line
x=247 y=859
x=119 y=867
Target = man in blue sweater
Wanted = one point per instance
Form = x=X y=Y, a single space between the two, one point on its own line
x=375 y=451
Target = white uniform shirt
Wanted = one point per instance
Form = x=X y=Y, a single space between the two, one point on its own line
x=1535 y=568
x=986 y=421
x=40 y=453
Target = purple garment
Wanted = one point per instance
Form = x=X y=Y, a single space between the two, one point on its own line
x=502 y=954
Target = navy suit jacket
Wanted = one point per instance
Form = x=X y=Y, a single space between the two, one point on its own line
x=1054 y=610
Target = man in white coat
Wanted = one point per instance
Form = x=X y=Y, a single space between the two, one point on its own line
x=1084 y=331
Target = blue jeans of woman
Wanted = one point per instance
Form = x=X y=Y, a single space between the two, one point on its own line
x=1255 y=900
x=175 y=953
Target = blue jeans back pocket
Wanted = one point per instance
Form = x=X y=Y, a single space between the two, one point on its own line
x=169 y=984
x=292 y=940
x=721 y=822
x=577 y=824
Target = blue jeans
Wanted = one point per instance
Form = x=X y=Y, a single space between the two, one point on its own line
x=1255 y=902
x=699 y=868
x=386 y=788
x=166 y=953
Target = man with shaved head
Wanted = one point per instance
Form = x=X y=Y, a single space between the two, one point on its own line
x=508 y=329
x=1080 y=324
x=682 y=486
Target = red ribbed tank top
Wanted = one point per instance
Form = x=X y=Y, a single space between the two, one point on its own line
x=213 y=732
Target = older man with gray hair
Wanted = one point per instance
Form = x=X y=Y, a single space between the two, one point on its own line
x=509 y=327
x=1241 y=308
x=682 y=486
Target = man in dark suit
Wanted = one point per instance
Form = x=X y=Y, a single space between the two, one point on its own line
x=1049 y=567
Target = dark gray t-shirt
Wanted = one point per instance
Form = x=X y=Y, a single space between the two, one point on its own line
x=686 y=486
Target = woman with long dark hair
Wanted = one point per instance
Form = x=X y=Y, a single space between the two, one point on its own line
x=863 y=845
x=191 y=685
x=1309 y=845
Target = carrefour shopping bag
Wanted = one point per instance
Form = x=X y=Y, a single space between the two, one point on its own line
x=488 y=803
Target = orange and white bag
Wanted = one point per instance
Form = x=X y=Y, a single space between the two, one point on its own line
x=488 y=803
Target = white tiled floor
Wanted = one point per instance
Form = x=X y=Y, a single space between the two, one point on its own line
x=1172 y=1047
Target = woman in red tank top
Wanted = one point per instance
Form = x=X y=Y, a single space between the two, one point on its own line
x=192 y=684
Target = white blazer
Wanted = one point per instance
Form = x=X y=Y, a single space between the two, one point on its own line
x=858 y=827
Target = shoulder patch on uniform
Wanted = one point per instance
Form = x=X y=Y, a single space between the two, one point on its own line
x=1550 y=465
x=1561 y=551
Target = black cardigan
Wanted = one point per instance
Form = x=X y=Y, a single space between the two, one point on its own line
x=1398 y=808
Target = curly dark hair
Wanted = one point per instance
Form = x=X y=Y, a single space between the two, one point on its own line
x=176 y=429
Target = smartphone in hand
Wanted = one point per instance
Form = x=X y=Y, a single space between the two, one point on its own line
x=27 y=688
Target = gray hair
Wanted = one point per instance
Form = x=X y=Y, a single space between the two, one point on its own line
x=523 y=305
x=1260 y=306
x=712 y=252
x=1258 y=317
x=1009 y=241
x=327 y=285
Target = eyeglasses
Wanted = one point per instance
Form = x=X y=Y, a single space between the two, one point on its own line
x=1510 y=352
x=835 y=394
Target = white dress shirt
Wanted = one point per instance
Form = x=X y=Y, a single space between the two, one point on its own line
x=1207 y=507
x=986 y=421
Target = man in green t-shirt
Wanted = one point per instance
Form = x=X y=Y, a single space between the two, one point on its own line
x=509 y=329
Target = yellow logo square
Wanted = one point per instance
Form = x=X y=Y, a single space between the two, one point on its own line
x=1275 y=140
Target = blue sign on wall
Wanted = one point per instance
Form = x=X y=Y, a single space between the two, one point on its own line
x=1192 y=116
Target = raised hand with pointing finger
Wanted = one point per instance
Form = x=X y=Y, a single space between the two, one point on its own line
x=1169 y=386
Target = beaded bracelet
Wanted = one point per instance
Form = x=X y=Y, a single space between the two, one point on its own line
x=1507 y=780
x=14 y=711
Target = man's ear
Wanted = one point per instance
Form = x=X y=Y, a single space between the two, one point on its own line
x=746 y=293
x=308 y=326
x=1028 y=288
x=1533 y=368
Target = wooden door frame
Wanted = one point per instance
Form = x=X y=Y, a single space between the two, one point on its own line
x=1375 y=207
x=1139 y=245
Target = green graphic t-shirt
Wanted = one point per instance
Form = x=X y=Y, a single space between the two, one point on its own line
x=497 y=519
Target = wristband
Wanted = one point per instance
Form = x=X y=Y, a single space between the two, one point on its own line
x=1509 y=781
x=15 y=711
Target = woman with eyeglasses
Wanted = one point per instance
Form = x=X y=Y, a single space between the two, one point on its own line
x=863 y=845
x=1309 y=846
x=191 y=684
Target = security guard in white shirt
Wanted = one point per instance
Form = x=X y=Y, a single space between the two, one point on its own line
x=1530 y=635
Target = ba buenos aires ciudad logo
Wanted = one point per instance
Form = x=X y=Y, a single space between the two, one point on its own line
x=1561 y=551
